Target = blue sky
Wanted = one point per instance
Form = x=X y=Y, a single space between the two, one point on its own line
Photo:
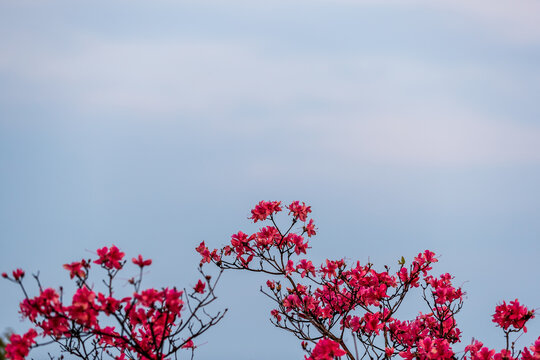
x=405 y=124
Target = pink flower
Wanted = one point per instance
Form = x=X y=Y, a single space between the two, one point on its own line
x=329 y=269
x=533 y=352
x=310 y=228
x=513 y=314
x=199 y=288
x=139 y=261
x=289 y=269
x=240 y=241
x=307 y=267
x=503 y=355
x=173 y=300
x=110 y=258
x=83 y=308
x=430 y=256
x=483 y=354
x=403 y=275
x=299 y=211
x=326 y=349
x=298 y=242
x=109 y=305
x=267 y=237
x=443 y=291
x=148 y=297
x=76 y=269
x=19 y=346
x=276 y=314
x=430 y=348
x=18 y=274
x=207 y=256
x=205 y=253
x=188 y=345
x=423 y=260
x=372 y=323
x=264 y=209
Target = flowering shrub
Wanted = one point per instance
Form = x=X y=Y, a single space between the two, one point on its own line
x=151 y=324
x=322 y=305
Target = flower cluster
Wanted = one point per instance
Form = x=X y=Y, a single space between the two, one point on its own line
x=429 y=348
x=532 y=352
x=299 y=212
x=326 y=349
x=19 y=346
x=512 y=315
x=477 y=351
x=110 y=258
x=148 y=324
x=17 y=274
x=326 y=306
x=265 y=209
x=320 y=304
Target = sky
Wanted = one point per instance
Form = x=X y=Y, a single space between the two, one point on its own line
x=406 y=125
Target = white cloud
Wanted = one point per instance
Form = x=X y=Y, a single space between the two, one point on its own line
x=364 y=109
x=517 y=21
x=212 y=77
x=434 y=139
x=514 y=20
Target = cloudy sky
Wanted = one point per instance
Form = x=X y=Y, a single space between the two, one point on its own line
x=155 y=125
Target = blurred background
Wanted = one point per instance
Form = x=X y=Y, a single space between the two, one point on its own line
x=406 y=125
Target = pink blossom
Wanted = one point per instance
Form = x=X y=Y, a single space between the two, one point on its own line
x=307 y=267
x=289 y=268
x=310 y=228
x=512 y=314
x=19 y=346
x=139 y=261
x=188 y=345
x=326 y=349
x=276 y=315
x=199 y=288
x=207 y=256
x=77 y=268
x=299 y=211
x=532 y=352
x=18 y=274
x=110 y=258
x=264 y=209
